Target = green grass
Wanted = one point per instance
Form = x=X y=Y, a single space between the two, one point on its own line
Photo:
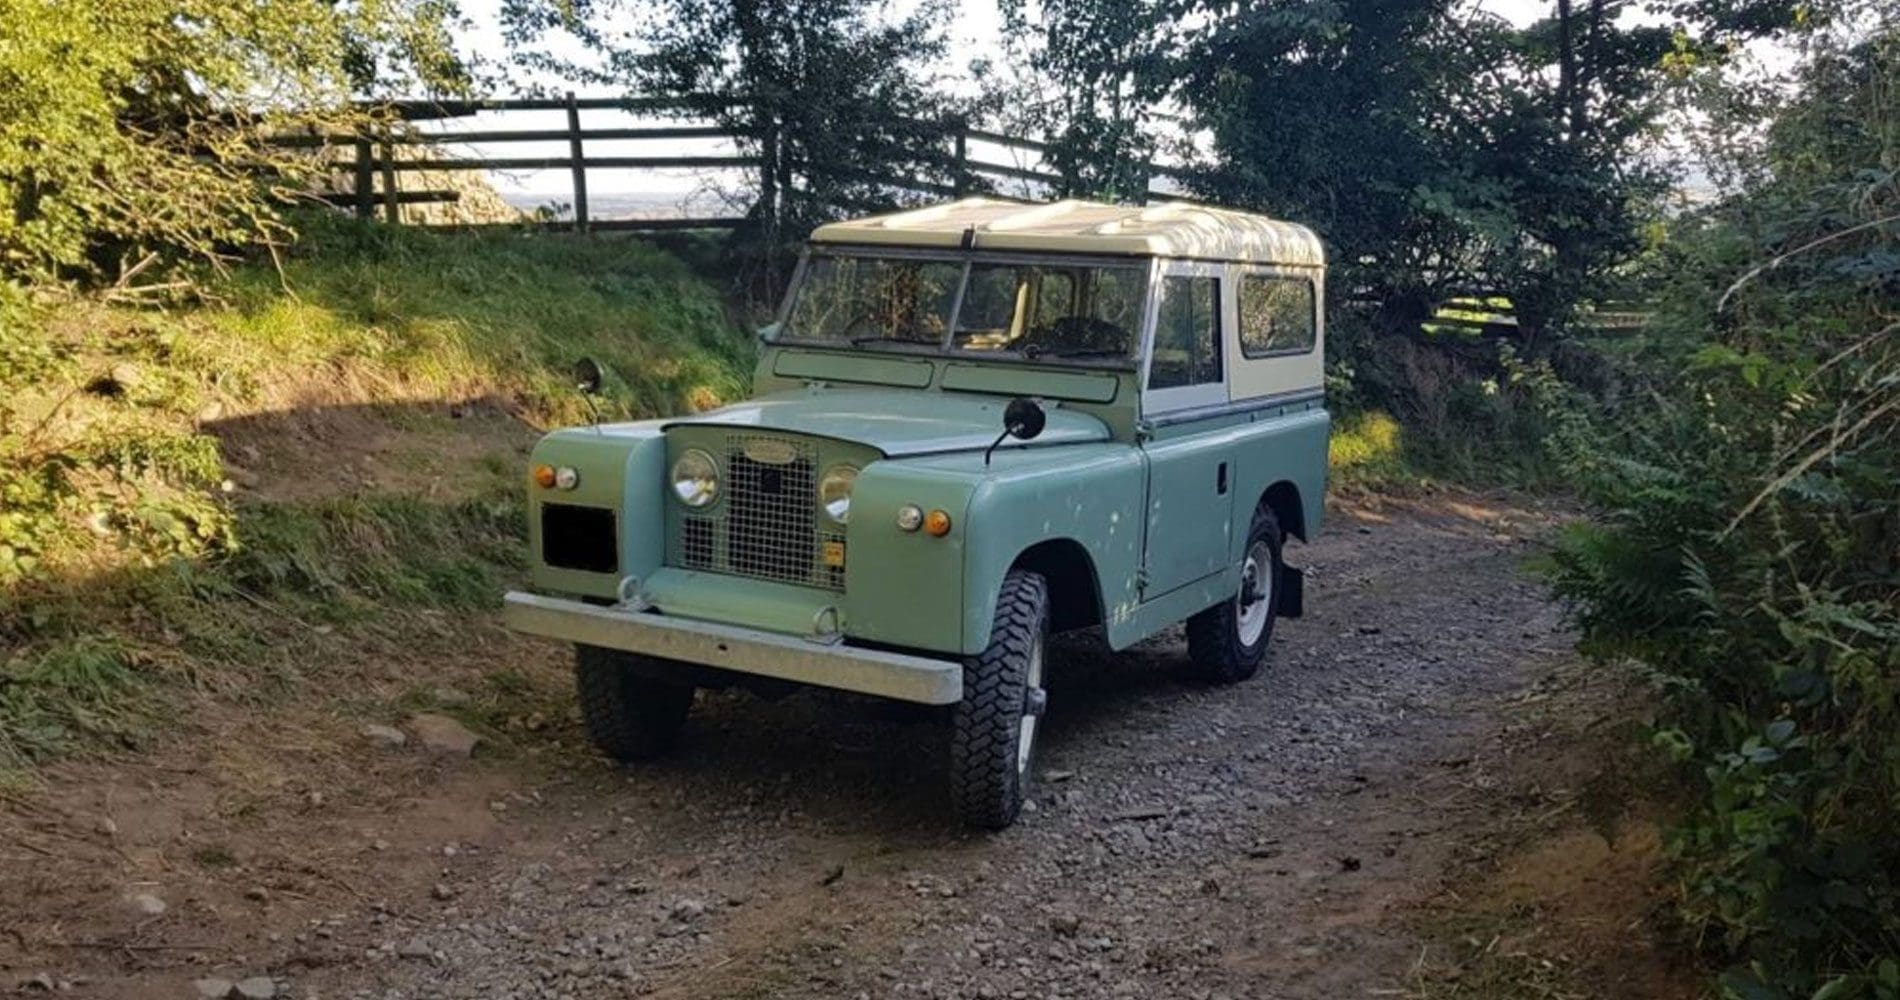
x=73 y=691
x=489 y=312
x=1371 y=450
x=1367 y=450
x=129 y=571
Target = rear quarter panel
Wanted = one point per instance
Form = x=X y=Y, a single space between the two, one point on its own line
x=1284 y=444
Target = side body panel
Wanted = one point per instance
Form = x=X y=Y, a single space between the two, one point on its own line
x=1190 y=510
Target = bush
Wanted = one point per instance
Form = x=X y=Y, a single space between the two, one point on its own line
x=1433 y=403
x=1748 y=553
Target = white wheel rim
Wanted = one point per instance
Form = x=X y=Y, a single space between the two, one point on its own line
x=1256 y=574
x=1026 y=736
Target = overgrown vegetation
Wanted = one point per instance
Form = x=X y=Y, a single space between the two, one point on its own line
x=1748 y=549
x=127 y=553
x=130 y=132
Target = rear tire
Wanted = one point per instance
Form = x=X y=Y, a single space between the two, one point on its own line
x=1228 y=642
x=628 y=716
x=993 y=729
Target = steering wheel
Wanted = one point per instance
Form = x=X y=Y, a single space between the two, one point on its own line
x=1078 y=333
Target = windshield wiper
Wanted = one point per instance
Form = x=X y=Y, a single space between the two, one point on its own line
x=886 y=339
x=1089 y=352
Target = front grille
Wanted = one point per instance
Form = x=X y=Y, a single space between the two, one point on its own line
x=696 y=542
x=768 y=527
x=581 y=538
x=769 y=531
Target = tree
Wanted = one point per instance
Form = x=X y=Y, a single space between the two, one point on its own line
x=833 y=102
x=1097 y=75
x=131 y=132
x=1434 y=147
x=1335 y=115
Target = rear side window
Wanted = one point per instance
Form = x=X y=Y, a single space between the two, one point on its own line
x=1187 y=334
x=1276 y=315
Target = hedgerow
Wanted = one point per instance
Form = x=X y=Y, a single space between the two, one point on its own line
x=1747 y=554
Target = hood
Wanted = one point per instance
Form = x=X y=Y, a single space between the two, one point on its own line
x=896 y=423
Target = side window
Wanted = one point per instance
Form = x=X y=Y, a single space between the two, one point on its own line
x=1187 y=334
x=1276 y=315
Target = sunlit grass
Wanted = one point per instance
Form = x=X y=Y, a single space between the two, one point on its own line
x=1367 y=449
x=130 y=568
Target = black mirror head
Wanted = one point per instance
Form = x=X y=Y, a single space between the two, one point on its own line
x=587 y=376
x=1024 y=418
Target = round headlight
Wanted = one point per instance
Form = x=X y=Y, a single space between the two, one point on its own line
x=834 y=492
x=695 y=478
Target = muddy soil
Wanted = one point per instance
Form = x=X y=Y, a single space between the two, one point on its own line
x=1293 y=836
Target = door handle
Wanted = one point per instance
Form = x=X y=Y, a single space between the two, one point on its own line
x=1220 y=480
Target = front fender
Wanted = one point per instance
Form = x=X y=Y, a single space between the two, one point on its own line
x=914 y=591
x=1090 y=494
x=622 y=469
x=905 y=588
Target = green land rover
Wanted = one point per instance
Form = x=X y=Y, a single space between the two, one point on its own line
x=973 y=425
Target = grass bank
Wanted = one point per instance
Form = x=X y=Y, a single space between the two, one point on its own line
x=335 y=444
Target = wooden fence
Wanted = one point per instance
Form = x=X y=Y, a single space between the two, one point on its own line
x=377 y=157
x=1493 y=315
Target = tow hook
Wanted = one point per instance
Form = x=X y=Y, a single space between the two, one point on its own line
x=1035 y=702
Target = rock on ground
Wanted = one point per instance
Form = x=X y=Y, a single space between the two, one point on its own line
x=441 y=734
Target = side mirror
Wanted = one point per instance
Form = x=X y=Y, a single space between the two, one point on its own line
x=1024 y=418
x=587 y=376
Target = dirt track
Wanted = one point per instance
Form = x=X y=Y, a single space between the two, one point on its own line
x=1276 y=839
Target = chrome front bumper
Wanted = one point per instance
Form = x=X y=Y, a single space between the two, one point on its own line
x=748 y=651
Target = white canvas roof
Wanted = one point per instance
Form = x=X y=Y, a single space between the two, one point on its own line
x=1172 y=229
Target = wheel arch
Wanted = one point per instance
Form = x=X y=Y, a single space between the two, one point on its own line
x=1075 y=591
x=1283 y=499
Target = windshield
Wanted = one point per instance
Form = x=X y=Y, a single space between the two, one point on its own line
x=858 y=299
x=1031 y=310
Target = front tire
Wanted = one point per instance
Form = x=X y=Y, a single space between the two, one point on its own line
x=993 y=729
x=1228 y=642
x=630 y=717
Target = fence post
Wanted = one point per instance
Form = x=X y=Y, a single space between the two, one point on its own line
x=392 y=214
x=580 y=163
x=365 y=185
x=768 y=177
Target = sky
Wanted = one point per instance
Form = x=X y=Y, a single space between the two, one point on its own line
x=975 y=28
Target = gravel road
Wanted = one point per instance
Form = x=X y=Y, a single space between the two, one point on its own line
x=1255 y=841
x=1281 y=838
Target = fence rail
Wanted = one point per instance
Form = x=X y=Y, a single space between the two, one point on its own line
x=378 y=160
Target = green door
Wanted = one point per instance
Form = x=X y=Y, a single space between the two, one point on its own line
x=1189 y=454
